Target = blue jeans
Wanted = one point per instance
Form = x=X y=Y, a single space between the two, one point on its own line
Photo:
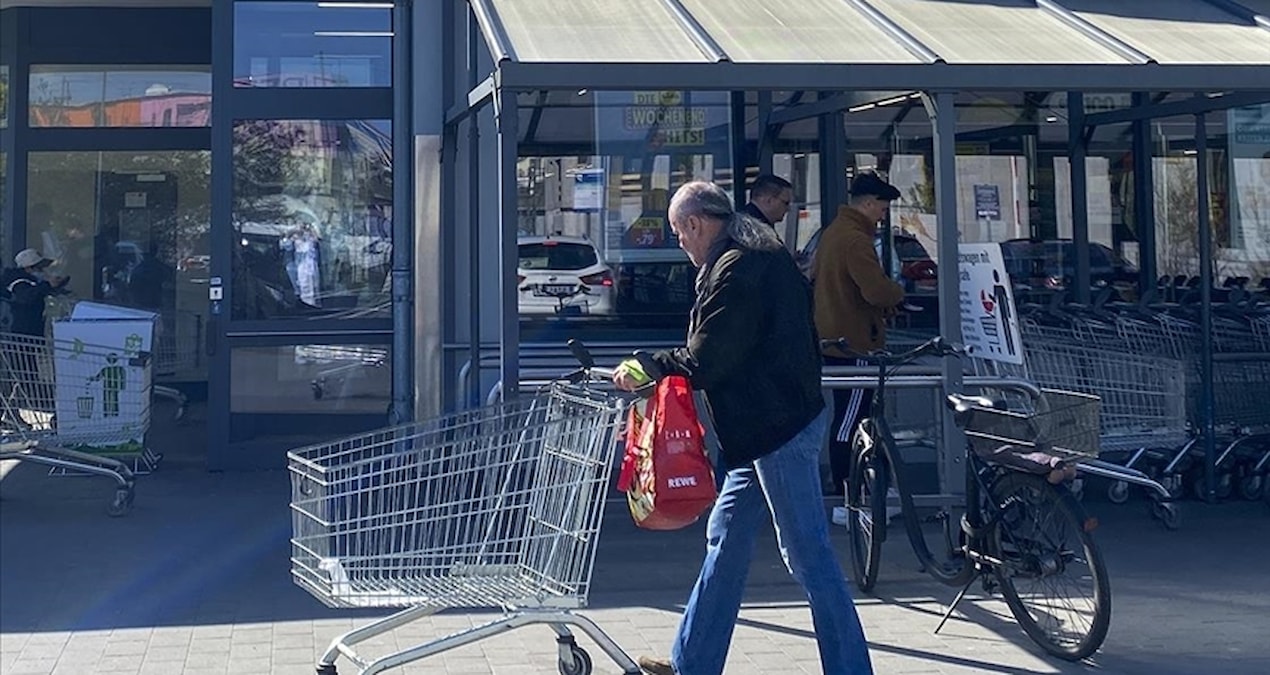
x=787 y=483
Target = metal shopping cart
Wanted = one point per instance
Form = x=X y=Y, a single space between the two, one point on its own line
x=58 y=399
x=347 y=365
x=498 y=506
x=178 y=356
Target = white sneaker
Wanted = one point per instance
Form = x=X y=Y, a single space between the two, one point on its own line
x=841 y=516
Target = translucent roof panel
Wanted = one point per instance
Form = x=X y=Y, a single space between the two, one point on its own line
x=1178 y=31
x=630 y=31
x=1001 y=31
x=801 y=31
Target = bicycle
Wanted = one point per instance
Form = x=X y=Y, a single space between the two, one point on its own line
x=1003 y=538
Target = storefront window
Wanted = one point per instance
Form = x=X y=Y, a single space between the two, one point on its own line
x=610 y=205
x=312 y=44
x=120 y=96
x=312 y=218
x=1238 y=168
x=132 y=229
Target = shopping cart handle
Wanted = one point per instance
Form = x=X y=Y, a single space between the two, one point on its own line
x=581 y=353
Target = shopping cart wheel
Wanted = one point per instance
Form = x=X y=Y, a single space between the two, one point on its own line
x=327 y=670
x=122 y=502
x=1175 y=484
x=1118 y=492
x=1250 y=487
x=1167 y=514
x=1225 y=486
x=579 y=664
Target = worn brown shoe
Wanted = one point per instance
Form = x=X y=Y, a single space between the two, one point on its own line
x=654 y=666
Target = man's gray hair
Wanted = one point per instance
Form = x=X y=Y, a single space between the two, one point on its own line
x=701 y=198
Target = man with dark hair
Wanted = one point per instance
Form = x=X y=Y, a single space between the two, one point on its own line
x=769 y=199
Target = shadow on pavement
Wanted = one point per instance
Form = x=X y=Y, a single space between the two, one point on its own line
x=204 y=548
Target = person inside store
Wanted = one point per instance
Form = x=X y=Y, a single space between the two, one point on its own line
x=854 y=297
x=769 y=199
x=25 y=287
x=752 y=350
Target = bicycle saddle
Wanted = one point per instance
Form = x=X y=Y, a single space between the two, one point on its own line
x=963 y=403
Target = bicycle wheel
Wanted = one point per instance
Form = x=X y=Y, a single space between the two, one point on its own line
x=866 y=504
x=1052 y=574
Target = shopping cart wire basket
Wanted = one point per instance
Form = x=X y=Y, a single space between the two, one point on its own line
x=73 y=407
x=1061 y=424
x=499 y=507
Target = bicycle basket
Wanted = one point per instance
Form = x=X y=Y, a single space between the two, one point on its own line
x=1063 y=424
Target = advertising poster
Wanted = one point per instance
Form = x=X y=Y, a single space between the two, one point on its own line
x=663 y=138
x=989 y=317
x=102 y=378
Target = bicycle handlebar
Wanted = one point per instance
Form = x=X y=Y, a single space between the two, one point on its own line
x=936 y=346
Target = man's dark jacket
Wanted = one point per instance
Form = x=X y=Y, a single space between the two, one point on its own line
x=752 y=348
x=25 y=294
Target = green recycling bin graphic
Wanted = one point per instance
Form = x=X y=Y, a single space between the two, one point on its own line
x=84 y=405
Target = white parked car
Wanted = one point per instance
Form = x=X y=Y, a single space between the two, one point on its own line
x=563 y=275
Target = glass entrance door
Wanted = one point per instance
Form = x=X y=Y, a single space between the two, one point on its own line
x=302 y=309
x=299 y=301
x=132 y=228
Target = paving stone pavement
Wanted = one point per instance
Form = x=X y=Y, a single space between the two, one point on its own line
x=195 y=582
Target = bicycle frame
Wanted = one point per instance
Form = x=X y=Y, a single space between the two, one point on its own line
x=974 y=525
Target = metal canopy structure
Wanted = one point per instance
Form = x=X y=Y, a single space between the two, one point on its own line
x=1059 y=45
x=1217 y=49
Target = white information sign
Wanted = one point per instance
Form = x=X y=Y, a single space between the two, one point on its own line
x=588 y=190
x=101 y=364
x=989 y=318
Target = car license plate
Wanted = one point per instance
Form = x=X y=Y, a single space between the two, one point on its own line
x=555 y=290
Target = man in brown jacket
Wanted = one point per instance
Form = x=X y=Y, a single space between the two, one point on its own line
x=854 y=297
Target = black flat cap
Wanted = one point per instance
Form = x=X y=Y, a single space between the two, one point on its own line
x=870 y=184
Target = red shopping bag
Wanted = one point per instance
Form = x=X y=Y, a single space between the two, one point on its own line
x=665 y=474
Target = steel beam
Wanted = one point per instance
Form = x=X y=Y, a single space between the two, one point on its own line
x=943 y=105
x=1077 y=150
x=1190 y=106
x=1120 y=47
x=740 y=162
x=897 y=33
x=766 y=135
x=699 y=35
x=491 y=27
x=507 y=120
x=403 y=214
x=1208 y=431
x=1143 y=197
x=727 y=76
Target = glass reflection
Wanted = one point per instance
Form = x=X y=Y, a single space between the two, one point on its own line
x=312 y=218
x=605 y=214
x=307 y=44
x=325 y=379
x=120 y=96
